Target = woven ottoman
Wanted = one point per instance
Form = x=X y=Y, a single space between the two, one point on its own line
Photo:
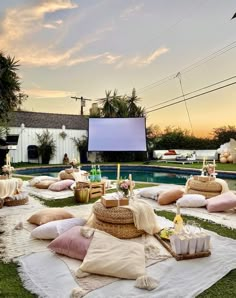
x=206 y=187
x=116 y=221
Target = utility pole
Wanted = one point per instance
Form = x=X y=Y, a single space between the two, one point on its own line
x=82 y=103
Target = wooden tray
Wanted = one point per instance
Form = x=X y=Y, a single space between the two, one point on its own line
x=167 y=245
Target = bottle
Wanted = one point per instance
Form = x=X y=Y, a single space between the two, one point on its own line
x=92 y=172
x=178 y=221
x=98 y=174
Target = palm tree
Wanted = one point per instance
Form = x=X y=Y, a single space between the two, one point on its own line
x=109 y=104
x=133 y=109
x=10 y=95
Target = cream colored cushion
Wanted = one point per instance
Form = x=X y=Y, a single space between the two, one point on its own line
x=108 y=255
x=49 y=214
x=170 y=196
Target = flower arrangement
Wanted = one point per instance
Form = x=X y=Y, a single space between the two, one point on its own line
x=208 y=170
x=7 y=170
x=125 y=186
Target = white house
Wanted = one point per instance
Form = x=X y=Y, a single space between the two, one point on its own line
x=27 y=124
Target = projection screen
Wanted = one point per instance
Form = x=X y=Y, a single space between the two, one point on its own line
x=117 y=134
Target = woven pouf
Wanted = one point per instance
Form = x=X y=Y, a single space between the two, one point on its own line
x=208 y=188
x=206 y=194
x=114 y=215
x=211 y=186
x=122 y=231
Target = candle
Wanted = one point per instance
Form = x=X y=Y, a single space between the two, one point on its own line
x=130 y=181
x=118 y=172
x=7 y=159
x=204 y=161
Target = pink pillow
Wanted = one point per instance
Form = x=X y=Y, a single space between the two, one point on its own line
x=61 y=185
x=225 y=201
x=71 y=244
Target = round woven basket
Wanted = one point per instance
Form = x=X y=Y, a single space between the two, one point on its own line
x=208 y=194
x=115 y=215
x=11 y=203
x=207 y=186
x=122 y=231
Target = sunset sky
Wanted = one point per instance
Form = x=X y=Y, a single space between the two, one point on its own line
x=82 y=48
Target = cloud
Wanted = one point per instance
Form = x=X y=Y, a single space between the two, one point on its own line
x=53 y=25
x=43 y=93
x=141 y=61
x=131 y=11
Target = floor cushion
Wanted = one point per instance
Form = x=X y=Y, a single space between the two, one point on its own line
x=222 y=202
x=192 y=200
x=49 y=214
x=53 y=229
x=61 y=185
x=108 y=255
x=170 y=196
x=71 y=244
x=44 y=184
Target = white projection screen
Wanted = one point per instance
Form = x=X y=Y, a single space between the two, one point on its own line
x=117 y=134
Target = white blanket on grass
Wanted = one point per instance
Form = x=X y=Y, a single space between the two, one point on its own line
x=49 y=277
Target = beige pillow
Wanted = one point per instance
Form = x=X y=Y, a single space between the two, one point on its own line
x=46 y=215
x=170 y=196
x=108 y=255
x=44 y=184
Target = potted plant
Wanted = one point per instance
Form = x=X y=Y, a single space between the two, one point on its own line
x=82 y=147
x=46 y=146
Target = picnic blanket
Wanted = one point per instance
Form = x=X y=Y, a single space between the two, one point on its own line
x=50 y=276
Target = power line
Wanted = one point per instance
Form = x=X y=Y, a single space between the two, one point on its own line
x=190 y=67
x=174 y=103
x=186 y=94
x=185 y=102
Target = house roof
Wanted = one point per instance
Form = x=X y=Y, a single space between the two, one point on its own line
x=48 y=120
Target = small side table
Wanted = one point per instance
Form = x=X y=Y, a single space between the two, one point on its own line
x=96 y=189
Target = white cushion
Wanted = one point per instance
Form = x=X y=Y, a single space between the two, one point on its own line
x=55 y=228
x=192 y=200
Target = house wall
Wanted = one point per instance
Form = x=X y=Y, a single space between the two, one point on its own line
x=27 y=136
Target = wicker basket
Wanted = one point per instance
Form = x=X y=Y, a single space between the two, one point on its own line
x=10 y=203
x=114 y=215
x=125 y=231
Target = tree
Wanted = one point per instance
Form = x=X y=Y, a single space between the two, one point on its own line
x=11 y=96
x=109 y=104
x=222 y=135
x=133 y=109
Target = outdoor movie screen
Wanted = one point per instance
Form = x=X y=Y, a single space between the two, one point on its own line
x=117 y=134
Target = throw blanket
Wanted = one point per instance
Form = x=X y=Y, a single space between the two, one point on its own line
x=144 y=216
x=8 y=187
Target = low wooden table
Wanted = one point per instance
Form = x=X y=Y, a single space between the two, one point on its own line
x=96 y=189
